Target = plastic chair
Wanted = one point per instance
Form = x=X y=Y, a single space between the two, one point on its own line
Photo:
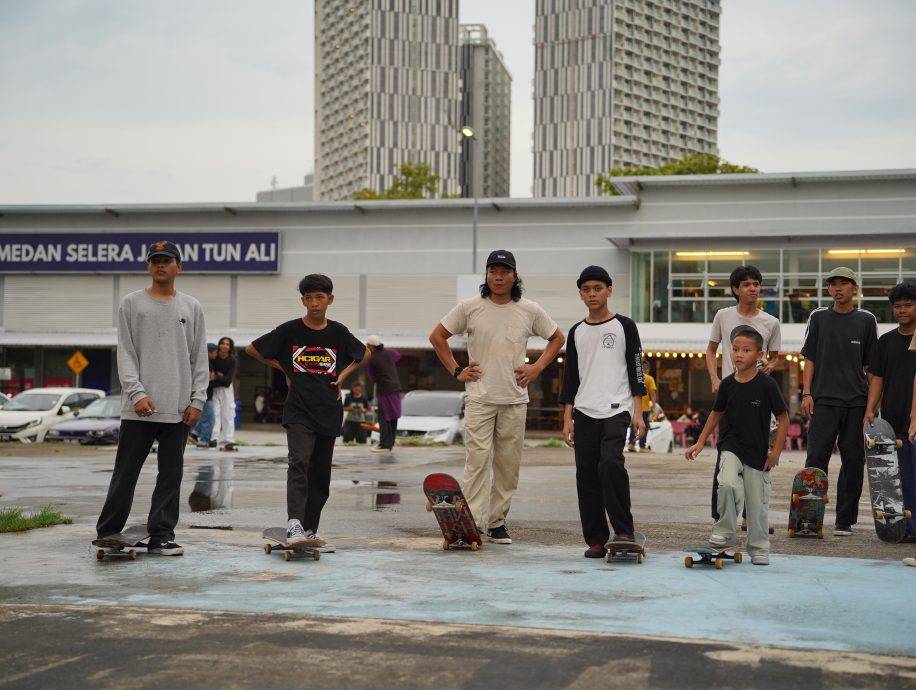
x=794 y=436
x=679 y=431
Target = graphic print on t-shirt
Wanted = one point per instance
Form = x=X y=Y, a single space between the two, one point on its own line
x=314 y=360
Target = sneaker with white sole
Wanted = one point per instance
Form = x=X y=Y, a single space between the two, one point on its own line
x=909 y=561
x=499 y=535
x=842 y=531
x=295 y=534
x=379 y=449
x=760 y=559
x=717 y=540
x=165 y=548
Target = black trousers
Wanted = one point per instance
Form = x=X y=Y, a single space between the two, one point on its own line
x=352 y=431
x=308 y=474
x=136 y=440
x=602 y=482
x=387 y=429
x=841 y=426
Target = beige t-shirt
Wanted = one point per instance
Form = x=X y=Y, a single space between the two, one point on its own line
x=498 y=339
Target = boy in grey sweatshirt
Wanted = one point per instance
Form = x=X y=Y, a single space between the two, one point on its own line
x=162 y=364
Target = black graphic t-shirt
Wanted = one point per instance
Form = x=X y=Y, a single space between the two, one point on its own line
x=312 y=360
x=745 y=425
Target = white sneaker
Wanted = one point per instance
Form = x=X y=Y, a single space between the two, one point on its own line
x=312 y=539
x=379 y=449
x=717 y=540
x=909 y=561
x=760 y=559
x=326 y=547
x=295 y=534
x=842 y=531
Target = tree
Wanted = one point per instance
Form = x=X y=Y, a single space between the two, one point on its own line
x=691 y=164
x=414 y=181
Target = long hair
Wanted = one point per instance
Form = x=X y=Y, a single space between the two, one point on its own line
x=517 y=289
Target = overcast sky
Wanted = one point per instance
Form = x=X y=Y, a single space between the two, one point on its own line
x=124 y=101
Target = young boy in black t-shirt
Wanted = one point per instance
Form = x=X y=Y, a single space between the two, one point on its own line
x=316 y=355
x=893 y=370
x=744 y=403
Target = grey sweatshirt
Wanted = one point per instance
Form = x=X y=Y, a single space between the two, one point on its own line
x=162 y=355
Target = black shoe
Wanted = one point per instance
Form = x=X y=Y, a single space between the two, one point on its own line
x=165 y=548
x=193 y=435
x=214 y=444
x=595 y=551
x=629 y=536
x=499 y=535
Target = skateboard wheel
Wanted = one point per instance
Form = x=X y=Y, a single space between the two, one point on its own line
x=898 y=443
x=445 y=544
x=870 y=442
x=474 y=546
x=720 y=563
x=820 y=533
x=608 y=557
x=100 y=554
x=907 y=514
x=879 y=515
x=316 y=555
x=826 y=499
x=287 y=556
x=791 y=533
x=688 y=562
x=640 y=558
x=429 y=507
x=737 y=556
x=132 y=555
x=267 y=548
x=794 y=498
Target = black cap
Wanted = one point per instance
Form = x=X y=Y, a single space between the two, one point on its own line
x=163 y=249
x=594 y=273
x=212 y=347
x=501 y=256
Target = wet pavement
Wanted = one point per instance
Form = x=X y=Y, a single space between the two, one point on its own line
x=538 y=599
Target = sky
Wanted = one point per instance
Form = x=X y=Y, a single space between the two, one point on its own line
x=123 y=101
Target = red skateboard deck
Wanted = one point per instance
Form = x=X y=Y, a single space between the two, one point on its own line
x=447 y=503
x=884 y=481
x=808 y=502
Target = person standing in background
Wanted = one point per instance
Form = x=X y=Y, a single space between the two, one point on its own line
x=383 y=371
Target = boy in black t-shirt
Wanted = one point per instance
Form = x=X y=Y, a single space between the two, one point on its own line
x=356 y=405
x=744 y=403
x=893 y=370
x=316 y=355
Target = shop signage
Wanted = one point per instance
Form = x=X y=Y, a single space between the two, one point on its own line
x=202 y=252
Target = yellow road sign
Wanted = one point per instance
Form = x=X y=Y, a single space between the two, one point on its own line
x=77 y=362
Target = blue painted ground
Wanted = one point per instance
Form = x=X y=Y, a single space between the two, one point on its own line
x=798 y=601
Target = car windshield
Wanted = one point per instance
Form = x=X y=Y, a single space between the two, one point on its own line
x=31 y=402
x=431 y=405
x=103 y=408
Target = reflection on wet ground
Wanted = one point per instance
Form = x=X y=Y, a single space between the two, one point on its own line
x=213 y=487
x=380 y=499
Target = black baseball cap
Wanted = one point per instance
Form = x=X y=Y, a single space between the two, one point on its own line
x=163 y=248
x=594 y=273
x=501 y=256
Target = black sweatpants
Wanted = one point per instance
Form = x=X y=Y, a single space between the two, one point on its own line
x=308 y=474
x=387 y=429
x=602 y=481
x=134 y=444
x=843 y=426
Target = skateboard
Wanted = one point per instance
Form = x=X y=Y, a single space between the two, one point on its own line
x=713 y=555
x=448 y=504
x=626 y=549
x=290 y=551
x=809 y=499
x=884 y=481
x=129 y=539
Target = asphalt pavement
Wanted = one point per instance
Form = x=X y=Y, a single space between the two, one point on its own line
x=391 y=608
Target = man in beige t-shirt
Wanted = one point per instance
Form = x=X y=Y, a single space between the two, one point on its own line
x=498 y=325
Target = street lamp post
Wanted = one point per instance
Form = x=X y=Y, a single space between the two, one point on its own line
x=469 y=134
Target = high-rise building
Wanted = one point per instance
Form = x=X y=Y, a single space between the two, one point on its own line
x=621 y=83
x=486 y=97
x=386 y=92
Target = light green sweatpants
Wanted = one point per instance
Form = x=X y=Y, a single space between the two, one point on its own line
x=742 y=485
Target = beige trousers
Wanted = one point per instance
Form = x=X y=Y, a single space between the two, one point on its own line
x=742 y=485
x=493 y=439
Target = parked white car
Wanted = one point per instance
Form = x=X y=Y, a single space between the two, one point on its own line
x=431 y=416
x=4 y=399
x=29 y=415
